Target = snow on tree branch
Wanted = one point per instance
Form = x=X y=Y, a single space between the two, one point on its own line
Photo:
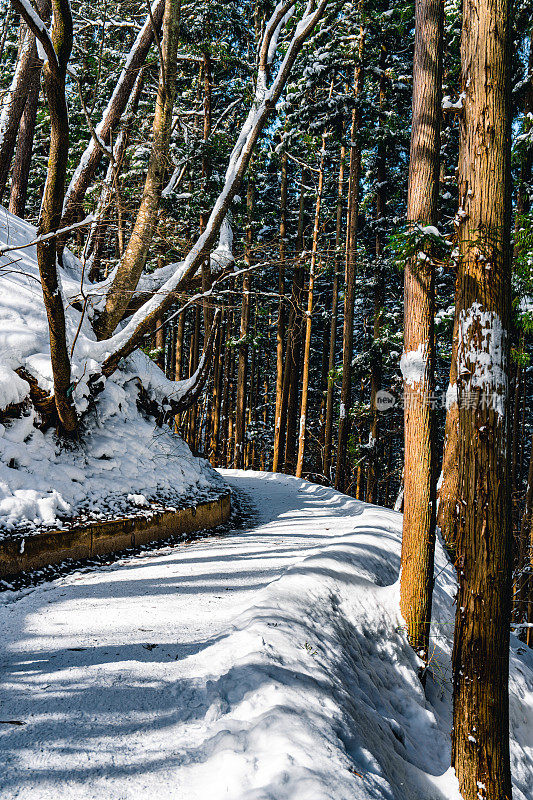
x=52 y=235
x=125 y=341
x=38 y=28
x=90 y=159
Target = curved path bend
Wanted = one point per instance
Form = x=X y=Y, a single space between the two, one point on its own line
x=265 y=664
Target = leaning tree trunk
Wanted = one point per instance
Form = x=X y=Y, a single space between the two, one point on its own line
x=136 y=253
x=24 y=150
x=480 y=751
x=98 y=232
x=90 y=160
x=264 y=103
x=28 y=64
x=418 y=539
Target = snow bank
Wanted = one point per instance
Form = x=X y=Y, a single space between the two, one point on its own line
x=122 y=453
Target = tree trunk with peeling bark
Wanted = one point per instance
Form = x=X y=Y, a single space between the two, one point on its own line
x=480 y=743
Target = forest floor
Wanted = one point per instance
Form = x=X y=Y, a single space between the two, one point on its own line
x=266 y=663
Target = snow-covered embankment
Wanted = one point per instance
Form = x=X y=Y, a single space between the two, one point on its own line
x=124 y=463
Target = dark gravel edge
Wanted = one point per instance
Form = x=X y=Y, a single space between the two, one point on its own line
x=243 y=515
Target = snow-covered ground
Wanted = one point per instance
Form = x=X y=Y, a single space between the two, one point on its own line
x=123 y=460
x=267 y=664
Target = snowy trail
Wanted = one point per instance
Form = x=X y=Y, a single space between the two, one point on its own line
x=265 y=664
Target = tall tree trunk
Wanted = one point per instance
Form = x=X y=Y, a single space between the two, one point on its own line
x=194 y=355
x=134 y=259
x=226 y=437
x=292 y=353
x=248 y=448
x=206 y=171
x=294 y=345
x=240 y=410
x=230 y=411
x=516 y=390
x=351 y=262
x=308 y=316
x=378 y=288
x=280 y=330
x=480 y=746
x=418 y=540
x=328 y=428
x=218 y=378
x=178 y=357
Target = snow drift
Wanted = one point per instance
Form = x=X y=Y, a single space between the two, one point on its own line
x=123 y=460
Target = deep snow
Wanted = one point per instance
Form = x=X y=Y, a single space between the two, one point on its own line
x=267 y=664
x=122 y=454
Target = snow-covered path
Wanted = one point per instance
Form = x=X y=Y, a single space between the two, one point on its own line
x=265 y=664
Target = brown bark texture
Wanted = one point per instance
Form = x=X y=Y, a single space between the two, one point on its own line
x=418 y=539
x=480 y=751
x=448 y=484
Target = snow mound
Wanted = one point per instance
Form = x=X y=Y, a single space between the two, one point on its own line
x=44 y=482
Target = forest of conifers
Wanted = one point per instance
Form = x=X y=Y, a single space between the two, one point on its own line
x=321 y=215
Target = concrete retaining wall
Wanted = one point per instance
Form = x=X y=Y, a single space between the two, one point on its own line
x=51 y=547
